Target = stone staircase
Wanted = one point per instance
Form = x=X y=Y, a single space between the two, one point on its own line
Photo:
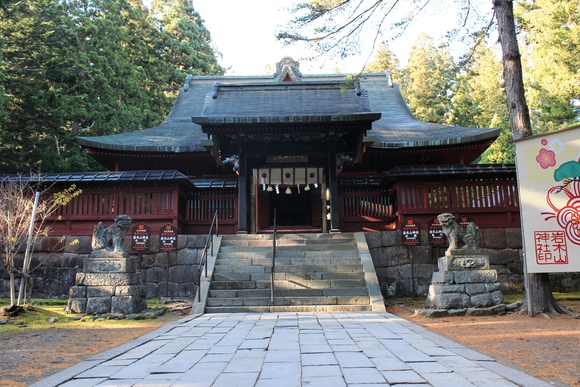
x=313 y=272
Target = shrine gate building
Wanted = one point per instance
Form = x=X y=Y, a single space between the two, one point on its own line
x=324 y=153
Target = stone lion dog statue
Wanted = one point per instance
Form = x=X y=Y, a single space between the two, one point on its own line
x=111 y=238
x=458 y=237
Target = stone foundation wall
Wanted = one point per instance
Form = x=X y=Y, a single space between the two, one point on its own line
x=504 y=246
x=56 y=262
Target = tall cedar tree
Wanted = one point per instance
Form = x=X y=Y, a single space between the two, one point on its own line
x=385 y=60
x=551 y=32
x=543 y=300
x=480 y=101
x=188 y=42
x=427 y=80
x=35 y=71
x=88 y=67
x=122 y=76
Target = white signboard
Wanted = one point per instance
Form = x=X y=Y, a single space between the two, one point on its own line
x=548 y=168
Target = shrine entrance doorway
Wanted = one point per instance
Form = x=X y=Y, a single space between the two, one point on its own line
x=298 y=200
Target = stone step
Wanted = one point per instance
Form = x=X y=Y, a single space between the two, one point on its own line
x=295 y=269
x=234 y=248
x=267 y=255
x=284 y=292
x=223 y=275
x=317 y=268
x=258 y=261
x=315 y=244
x=288 y=308
x=314 y=272
x=281 y=242
x=311 y=237
x=279 y=301
x=280 y=284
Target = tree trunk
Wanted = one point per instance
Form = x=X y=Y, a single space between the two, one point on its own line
x=543 y=300
x=512 y=69
x=12 y=289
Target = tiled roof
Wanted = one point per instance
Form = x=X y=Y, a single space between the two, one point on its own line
x=475 y=170
x=316 y=97
x=279 y=102
x=215 y=183
x=87 y=177
x=432 y=172
x=176 y=134
x=398 y=128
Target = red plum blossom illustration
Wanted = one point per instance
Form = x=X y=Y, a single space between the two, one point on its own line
x=546 y=158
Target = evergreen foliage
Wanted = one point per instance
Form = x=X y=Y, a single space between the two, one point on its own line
x=427 y=81
x=551 y=30
x=385 y=60
x=89 y=67
x=471 y=93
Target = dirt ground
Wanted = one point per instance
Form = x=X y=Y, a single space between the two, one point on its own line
x=546 y=346
x=28 y=357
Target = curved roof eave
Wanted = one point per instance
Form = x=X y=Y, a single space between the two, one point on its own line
x=160 y=139
x=428 y=140
x=287 y=119
x=398 y=127
x=177 y=134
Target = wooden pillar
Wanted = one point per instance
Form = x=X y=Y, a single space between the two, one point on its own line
x=243 y=191
x=333 y=189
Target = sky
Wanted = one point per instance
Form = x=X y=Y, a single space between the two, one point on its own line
x=243 y=31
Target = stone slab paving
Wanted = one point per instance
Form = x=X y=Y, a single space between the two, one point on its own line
x=291 y=350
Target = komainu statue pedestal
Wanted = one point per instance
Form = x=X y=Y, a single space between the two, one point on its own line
x=464 y=281
x=109 y=282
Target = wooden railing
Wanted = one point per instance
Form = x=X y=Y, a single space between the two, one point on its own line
x=101 y=203
x=273 y=265
x=203 y=204
x=455 y=196
x=156 y=206
x=365 y=208
x=191 y=211
x=491 y=203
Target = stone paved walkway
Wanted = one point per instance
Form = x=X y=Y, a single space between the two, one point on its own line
x=291 y=350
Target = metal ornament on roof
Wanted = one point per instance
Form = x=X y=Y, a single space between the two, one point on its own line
x=233 y=160
x=342 y=159
x=291 y=63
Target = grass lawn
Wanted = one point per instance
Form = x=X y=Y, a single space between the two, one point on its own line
x=49 y=313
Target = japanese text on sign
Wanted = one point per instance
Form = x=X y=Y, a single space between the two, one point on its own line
x=435 y=231
x=464 y=221
x=168 y=238
x=551 y=247
x=410 y=232
x=140 y=238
